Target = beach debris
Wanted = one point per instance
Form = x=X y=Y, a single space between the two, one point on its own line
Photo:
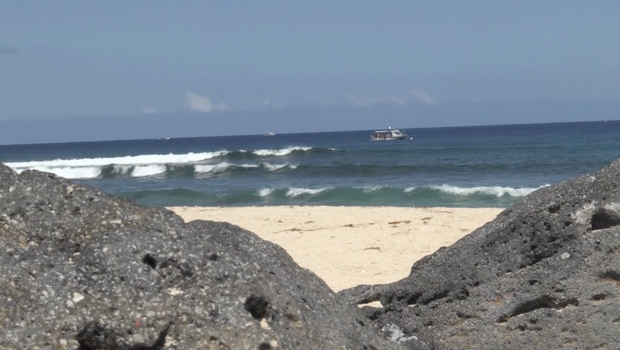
x=373 y=248
x=400 y=222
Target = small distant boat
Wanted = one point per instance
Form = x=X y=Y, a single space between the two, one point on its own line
x=388 y=135
x=270 y=134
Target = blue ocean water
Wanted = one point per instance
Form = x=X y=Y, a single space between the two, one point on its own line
x=481 y=166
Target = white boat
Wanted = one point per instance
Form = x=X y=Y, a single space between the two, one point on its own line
x=270 y=134
x=388 y=135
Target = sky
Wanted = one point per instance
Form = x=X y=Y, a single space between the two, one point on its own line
x=106 y=70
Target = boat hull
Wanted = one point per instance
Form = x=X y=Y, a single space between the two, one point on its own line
x=388 y=135
x=372 y=138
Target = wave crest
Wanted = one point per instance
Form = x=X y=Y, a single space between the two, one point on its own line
x=280 y=152
x=496 y=191
x=148 y=170
x=295 y=192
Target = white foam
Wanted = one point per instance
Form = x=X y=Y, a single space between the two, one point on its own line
x=410 y=189
x=370 y=189
x=69 y=172
x=497 y=191
x=264 y=192
x=211 y=168
x=248 y=166
x=294 y=192
x=122 y=169
x=146 y=159
x=279 y=152
x=148 y=170
x=274 y=167
x=85 y=168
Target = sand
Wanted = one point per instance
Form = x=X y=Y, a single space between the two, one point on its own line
x=348 y=246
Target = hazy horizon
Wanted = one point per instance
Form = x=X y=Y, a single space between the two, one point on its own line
x=84 y=71
x=60 y=131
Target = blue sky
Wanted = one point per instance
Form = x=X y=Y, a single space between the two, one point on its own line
x=85 y=70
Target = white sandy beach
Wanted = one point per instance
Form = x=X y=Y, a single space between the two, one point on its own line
x=348 y=246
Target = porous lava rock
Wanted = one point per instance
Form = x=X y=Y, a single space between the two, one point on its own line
x=81 y=269
x=545 y=274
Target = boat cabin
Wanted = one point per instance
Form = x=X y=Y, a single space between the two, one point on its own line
x=387 y=135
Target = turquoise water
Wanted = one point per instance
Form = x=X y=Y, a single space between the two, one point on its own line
x=483 y=166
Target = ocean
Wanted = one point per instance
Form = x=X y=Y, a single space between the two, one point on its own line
x=478 y=166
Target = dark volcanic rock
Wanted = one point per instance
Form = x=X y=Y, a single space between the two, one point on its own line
x=544 y=275
x=80 y=269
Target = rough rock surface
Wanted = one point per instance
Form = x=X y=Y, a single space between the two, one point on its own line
x=80 y=269
x=544 y=275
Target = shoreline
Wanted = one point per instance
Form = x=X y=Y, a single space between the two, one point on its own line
x=349 y=246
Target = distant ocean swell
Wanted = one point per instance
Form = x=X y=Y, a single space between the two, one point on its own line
x=217 y=163
x=486 y=166
x=176 y=170
x=435 y=195
x=173 y=165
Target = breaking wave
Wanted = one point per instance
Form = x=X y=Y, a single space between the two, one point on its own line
x=158 y=164
x=423 y=196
